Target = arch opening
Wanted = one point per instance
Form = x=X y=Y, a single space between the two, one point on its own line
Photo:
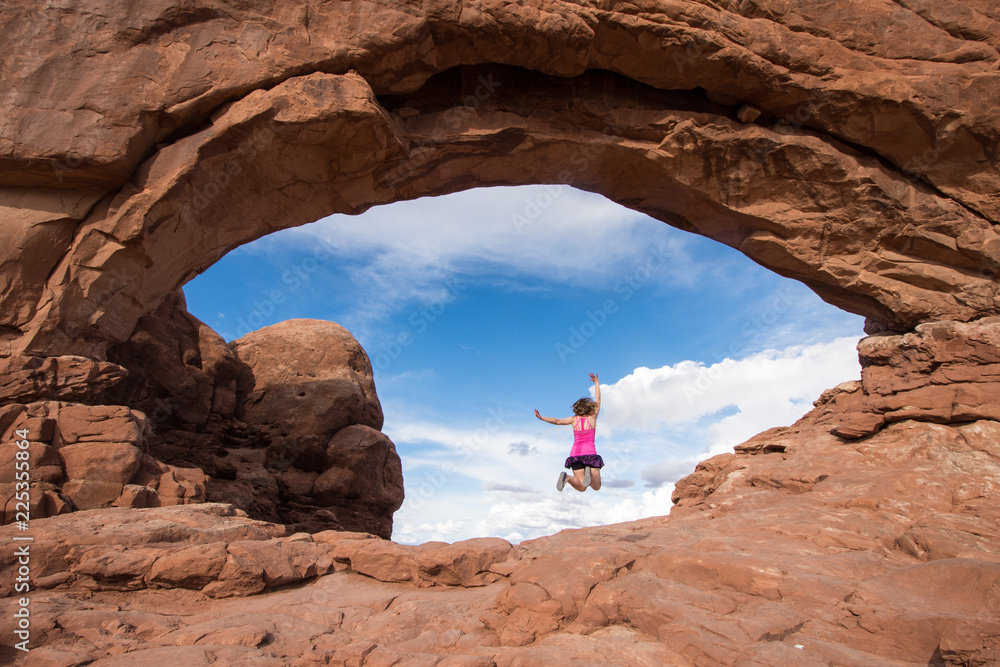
x=798 y=200
x=502 y=300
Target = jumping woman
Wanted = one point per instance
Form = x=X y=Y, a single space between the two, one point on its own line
x=583 y=458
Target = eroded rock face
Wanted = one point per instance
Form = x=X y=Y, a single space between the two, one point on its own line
x=738 y=121
x=799 y=548
x=181 y=374
x=944 y=372
x=284 y=421
x=85 y=457
x=290 y=434
x=852 y=146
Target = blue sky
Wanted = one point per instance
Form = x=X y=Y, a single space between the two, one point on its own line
x=478 y=307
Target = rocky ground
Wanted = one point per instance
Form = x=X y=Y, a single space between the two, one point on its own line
x=800 y=548
x=866 y=533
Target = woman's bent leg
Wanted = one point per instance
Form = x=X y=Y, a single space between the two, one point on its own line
x=576 y=480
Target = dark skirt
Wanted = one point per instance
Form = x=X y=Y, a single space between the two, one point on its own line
x=581 y=462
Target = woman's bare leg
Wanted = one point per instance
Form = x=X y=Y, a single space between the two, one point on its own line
x=576 y=480
x=595 y=478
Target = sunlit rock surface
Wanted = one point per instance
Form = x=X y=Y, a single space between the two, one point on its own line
x=800 y=548
x=285 y=421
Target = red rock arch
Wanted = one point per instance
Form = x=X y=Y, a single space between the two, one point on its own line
x=851 y=145
x=139 y=144
x=139 y=151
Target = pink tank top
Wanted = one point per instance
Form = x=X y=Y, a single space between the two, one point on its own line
x=583 y=440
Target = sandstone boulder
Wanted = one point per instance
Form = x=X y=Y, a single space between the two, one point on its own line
x=103 y=462
x=362 y=465
x=307 y=385
x=306 y=378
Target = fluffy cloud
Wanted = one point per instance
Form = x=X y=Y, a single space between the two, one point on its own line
x=770 y=388
x=549 y=513
x=443 y=531
x=706 y=408
x=426 y=249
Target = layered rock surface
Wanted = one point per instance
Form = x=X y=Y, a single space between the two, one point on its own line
x=804 y=546
x=85 y=457
x=812 y=551
x=284 y=421
x=164 y=425
x=139 y=145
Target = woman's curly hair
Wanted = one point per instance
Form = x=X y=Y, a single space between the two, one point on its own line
x=584 y=407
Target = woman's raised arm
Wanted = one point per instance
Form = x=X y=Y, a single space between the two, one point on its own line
x=551 y=420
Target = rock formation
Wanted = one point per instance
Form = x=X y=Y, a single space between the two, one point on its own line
x=800 y=548
x=308 y=387
x=290 y=435
x=85 y=457
x=284 y=421
x=852 y=146
x=307 y=378
x=138 y=146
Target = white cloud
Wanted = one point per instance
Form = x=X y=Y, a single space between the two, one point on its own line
x=549 y=513
x=770 y=388
x=424 y=250
x=443 y=531
x=668 y=472
x=655 y=425
x=467 y=228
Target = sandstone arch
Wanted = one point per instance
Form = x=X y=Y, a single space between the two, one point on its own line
x=138 y=144
x=850 y=145
x=139 y=150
